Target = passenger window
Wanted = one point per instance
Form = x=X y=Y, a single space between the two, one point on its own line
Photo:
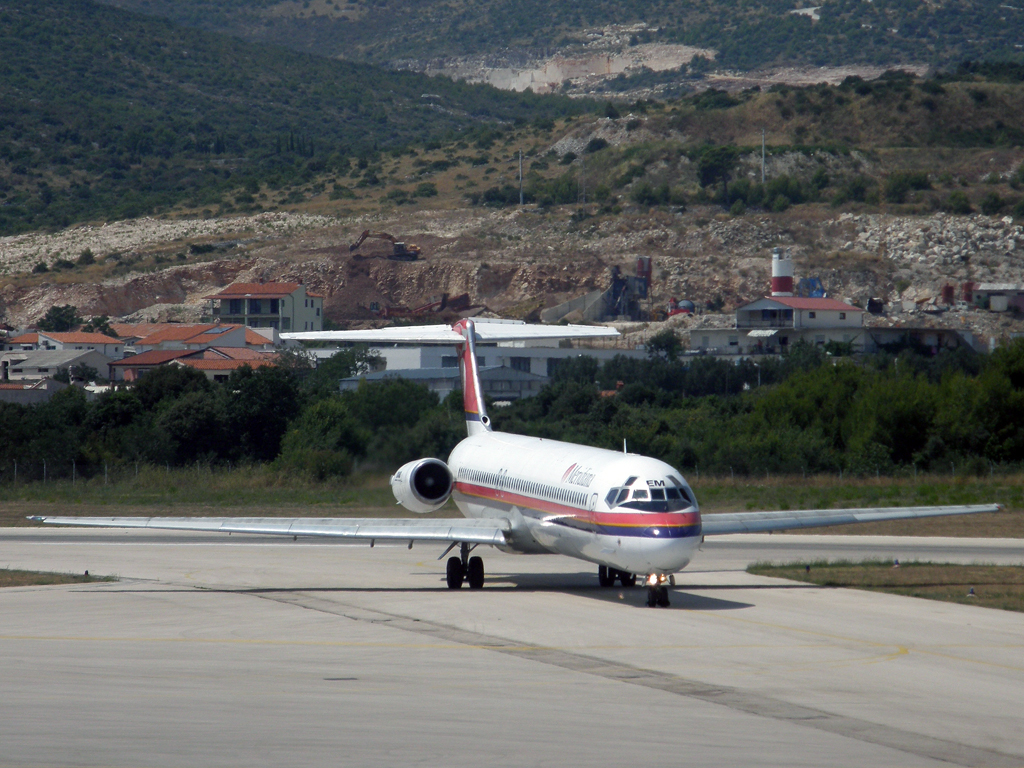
x=657 y=494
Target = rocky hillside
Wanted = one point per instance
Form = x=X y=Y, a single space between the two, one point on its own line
x=515 y=262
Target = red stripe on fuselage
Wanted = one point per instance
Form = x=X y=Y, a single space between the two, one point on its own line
x=617 y=519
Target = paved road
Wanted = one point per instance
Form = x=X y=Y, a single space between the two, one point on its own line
x=230 y=652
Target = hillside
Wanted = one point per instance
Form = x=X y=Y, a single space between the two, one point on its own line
x=746 y=35
x=889 y=189
x=109 y=114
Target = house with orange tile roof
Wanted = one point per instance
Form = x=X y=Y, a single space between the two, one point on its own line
x=23 y=342
x=284 y=306
x=83 y=342
x=193 y=337
x=216 y=362
x=220 y=369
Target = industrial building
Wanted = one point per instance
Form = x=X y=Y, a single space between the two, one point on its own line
x=774 y=323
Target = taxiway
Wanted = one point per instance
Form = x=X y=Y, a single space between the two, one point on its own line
x=230 y=651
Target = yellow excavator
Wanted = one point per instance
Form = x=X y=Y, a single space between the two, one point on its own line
x=399 y=251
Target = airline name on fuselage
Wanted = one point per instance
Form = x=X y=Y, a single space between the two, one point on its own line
x=577 y=475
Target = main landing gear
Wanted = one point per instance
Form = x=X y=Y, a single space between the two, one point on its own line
x=607 y=577
x=465 y=568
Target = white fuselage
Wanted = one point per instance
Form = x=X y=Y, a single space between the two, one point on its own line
x=628 y=512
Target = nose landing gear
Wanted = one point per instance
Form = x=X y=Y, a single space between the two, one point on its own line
x=465 y=568
x=657 y=591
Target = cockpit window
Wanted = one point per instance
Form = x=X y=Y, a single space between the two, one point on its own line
x=630 y=480
x=668 y=498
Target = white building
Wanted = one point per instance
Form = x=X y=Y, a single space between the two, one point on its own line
x=43 y=364
x=79 y=341
x=775 y=323
x=284 y=306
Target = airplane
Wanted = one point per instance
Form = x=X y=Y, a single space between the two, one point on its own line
x=630 y=515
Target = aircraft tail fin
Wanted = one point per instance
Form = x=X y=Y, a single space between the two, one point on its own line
x=477 y=420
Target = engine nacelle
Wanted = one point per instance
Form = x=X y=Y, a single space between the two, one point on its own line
x=422 y=486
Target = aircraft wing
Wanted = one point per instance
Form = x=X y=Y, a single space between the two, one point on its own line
x=444 y=334
x=787 y=520
x=471 y=531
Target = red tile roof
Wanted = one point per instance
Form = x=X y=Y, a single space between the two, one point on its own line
x=233 y=353
x=79 y=337
x=139 y=330
x=153 y=357
x=256 y=290
x=187 y=333
x=256 y=339
x=795 y=302
x=222 y=365
x=25 y=338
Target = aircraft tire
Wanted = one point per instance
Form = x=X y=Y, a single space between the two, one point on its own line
x=475 y=572
x=455 y=573
x=605 y=576
x=652 y=597
x=627 y=579
x=663 y=597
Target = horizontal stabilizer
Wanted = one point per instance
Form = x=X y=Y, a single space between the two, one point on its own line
x=485 y=331
x=471 y=531
x=787 y=520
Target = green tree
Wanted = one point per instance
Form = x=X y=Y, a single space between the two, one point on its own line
x=665 y=344
x=716 y=164
x=60 y=319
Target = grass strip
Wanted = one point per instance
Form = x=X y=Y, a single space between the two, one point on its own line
x=989 y=586
x=10 y=577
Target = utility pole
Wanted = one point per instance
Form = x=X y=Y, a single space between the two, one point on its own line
x=520 y=176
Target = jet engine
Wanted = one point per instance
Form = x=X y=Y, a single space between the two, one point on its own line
x=422 y=486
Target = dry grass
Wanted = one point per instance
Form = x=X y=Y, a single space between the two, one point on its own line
x=831 y=492
x=265 y=492
x=15 y=578
x=994 y=586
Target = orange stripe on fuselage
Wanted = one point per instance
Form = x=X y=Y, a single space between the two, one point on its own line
x=616 y=519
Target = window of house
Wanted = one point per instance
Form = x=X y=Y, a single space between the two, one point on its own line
x=842 y=315
x=254 y=306
x=274 y=304
x=519 y=364
x=449 y=361
x=41 y=370
x=819 y=339
x=734 y=341
x=812 y=315
x=235 y=307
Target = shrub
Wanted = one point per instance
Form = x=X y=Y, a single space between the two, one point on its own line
x=992 y=204
x=738 y=208
x=899 y=183
x=958 y=203
x=86 y=258
x=40 y=268
x=596 y=145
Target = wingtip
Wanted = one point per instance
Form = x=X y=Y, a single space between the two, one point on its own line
x=36 y=518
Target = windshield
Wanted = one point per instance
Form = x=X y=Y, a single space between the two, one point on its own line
x=666 y=498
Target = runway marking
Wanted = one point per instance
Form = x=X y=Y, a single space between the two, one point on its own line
x=732 y=698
